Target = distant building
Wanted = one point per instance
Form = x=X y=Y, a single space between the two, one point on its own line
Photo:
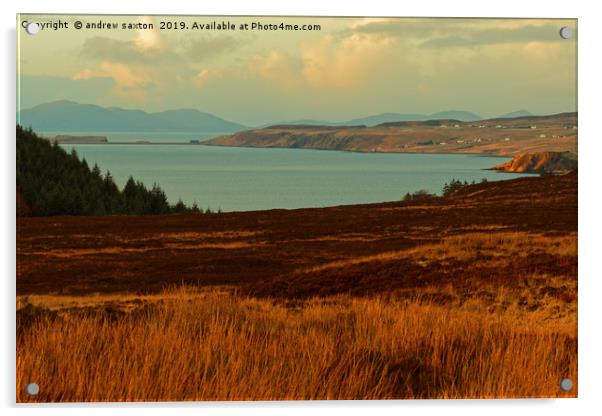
x=543 y=136
x=194 y=142
x=533 y=127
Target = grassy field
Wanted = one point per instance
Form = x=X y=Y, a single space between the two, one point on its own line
x=468 y=296
x=189 y=345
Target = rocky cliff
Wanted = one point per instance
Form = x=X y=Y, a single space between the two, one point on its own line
x=541 y=162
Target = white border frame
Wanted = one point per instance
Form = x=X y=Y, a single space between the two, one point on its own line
x=590 y=146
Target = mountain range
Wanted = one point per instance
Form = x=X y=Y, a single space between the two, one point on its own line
x=376 y=119
x=515 y=114
x=69 y=116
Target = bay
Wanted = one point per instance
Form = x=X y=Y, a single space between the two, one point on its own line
x=244 y=179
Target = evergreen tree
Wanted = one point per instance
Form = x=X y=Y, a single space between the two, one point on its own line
x=54 y=182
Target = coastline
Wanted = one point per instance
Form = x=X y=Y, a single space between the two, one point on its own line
x=291 y=148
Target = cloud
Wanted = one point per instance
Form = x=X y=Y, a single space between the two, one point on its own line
x=497 y=36
x=278 y=67
x=327 y=62
x=205 y=75
x=333 y=63
x=101 y=48
x=130 y=84
x=146 y=46
x=149 y=39
x=151 y=60
x=150 y=48
x=454 y=33
x=123 y=75
x=201 y=48
x=350 y=67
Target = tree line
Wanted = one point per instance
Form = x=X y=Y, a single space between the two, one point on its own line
x=455 y=185
x=449 y=188
x=51 y=181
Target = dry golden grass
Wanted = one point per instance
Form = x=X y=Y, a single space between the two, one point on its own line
x=500 y=245
x=187 y=345
x=503 y=245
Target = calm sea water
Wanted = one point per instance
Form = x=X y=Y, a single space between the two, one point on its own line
x=244 y=179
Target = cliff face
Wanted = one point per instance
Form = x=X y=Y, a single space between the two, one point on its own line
x=541 y=162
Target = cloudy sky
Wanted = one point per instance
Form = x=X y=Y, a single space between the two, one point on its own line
x=351 y=67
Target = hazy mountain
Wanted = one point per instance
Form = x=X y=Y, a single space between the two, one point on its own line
x=455 y=115
x=519 y=113
x=71 y=116
x=388 y=118
x=304 y=122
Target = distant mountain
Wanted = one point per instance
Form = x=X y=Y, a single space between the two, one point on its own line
x=71 y=116
x=377 y=119
x=386 y=118
x=519 y=113
x=303 y=122
x=455 y=115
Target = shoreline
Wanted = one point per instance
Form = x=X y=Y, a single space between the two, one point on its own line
x=374 y=204
x=290 y=148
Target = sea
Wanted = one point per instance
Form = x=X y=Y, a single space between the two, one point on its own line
x=247 y=179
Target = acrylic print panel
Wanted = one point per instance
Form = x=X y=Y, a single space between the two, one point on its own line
x=295 y=208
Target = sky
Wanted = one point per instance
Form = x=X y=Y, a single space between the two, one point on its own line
x=351 y=67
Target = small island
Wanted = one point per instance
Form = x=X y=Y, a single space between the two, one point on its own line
x=69 y=139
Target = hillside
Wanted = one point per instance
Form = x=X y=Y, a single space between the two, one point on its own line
x=68 y=116
x=51 y=181
x=451 y=297
x=543 y=162
x=499 y=136
x=305 y=252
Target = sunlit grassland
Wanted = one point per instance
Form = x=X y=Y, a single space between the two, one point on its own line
x=186 y=344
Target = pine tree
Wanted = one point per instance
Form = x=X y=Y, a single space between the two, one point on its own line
x=54 y=182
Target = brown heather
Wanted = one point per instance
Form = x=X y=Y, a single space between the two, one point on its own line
x=473 y=295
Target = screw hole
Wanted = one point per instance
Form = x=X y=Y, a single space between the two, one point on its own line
x=32 y=389
x=566 y=384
